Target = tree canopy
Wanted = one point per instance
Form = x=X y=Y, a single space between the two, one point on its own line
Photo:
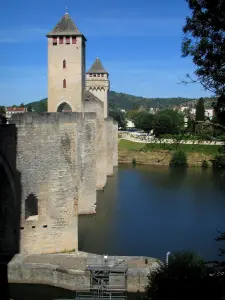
x=200 y=110
x=204 y=41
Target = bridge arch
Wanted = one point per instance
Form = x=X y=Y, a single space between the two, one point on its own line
x=64 y=107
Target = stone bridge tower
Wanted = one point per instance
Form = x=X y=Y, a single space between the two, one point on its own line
x=97 y=82
x=66 y=66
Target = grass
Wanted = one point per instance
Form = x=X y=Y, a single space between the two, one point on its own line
x=204 y=149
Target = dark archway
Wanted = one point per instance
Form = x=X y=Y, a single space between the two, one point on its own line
x=64 y=107
x=31 y=206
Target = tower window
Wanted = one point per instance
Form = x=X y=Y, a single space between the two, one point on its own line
x=74 y=40
x=61 y=39
x=102 y=75
x=94 y=75
x=55 y=41
x=98 y=75
x=90 y=75
x=67 y=40
x=64 y=64
x=64 y=83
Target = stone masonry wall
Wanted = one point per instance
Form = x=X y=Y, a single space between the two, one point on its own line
x=110 y=145
x=101 y=159
x=115 y=143
x=87 y=165
x=49 y=158
x=46 y=160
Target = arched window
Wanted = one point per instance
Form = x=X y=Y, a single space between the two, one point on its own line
x=64 y=83
x=64 y=64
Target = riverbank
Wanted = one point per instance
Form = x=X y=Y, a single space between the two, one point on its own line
x=160 y=154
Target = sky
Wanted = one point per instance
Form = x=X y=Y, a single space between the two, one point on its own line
x=138 y=42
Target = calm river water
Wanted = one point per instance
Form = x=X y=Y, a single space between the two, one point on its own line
x=151 y=210
x=148 y=211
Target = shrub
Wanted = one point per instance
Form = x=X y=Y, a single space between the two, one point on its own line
x=205 y=164
x=221 y=149
x=219 y=161
x=134 y=162
x=221 y=137
x=179 y=159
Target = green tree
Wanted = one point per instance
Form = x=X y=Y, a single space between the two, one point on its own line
x=42 y=107
x=144 y=121
x=179 y=159
x=29 y=108
x=204 y=41
x=200 y=110
x=186 y=276
x=2 y=110
x=119 y=116
x=163 y=124
x=22 y=105
x=132 y=115
x=176 y=117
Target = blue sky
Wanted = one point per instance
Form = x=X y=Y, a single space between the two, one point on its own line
x=139 y=43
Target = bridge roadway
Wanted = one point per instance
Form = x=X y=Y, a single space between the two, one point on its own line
x=70 y=271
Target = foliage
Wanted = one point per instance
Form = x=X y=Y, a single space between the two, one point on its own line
x=144 y=121
x=2 y=110
x=29 y=108
x=134 y=162
x=130 y=102
x=22 y=104
x=219 y=161
x=163 y=124
x=186 y=276
x=119 y=116
x=204 y=41
x=205 y=164
x=200 y=110
x=176 y=116
x=132 y=115
x=179 y=159
x=221 y=137
x=3 y=119
x=219 y=266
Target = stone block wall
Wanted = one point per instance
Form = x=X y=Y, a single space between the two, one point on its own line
x=87 y=165
x=56 y=157
x=94 y=105
x=110 y=145
x=47 y=162
x=115 y=143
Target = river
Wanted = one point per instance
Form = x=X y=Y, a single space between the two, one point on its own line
x=148 y=211
x=151 y=210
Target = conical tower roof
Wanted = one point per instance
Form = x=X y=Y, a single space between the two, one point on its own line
x=97 y=67
x=65 y=26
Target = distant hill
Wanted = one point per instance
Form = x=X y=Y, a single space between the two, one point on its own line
x=128 y=102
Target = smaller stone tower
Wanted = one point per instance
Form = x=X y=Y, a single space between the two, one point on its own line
x=97 y=82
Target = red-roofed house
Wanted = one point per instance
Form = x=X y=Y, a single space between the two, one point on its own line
x=14 y=110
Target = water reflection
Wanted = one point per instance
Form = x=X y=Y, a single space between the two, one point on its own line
x=151 y=210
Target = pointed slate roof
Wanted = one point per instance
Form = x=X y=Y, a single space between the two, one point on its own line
x=97 y=67
x=64 y=27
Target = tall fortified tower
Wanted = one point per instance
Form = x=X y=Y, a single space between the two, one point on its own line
x=66 y=67
x=97 y=82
